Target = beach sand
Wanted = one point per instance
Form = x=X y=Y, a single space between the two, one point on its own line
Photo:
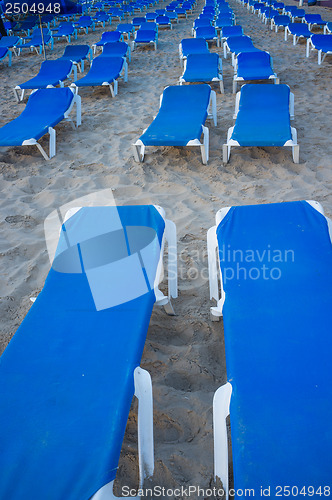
x=185 y=353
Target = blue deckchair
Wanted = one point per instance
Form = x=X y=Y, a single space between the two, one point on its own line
x=77 y=54
x=180 y=120
x=253 y=66
x=24 y=26
x=51 y=73
x=10 y=42
x=237 y=44
x=321 y=43
x=297 y=14
x=4 y=52
x=263 y=114
x=65 y=30
x=37 y=41
x=102 y=18
x=137 y=21
x=163 y=22
x=151 y=16
x=314 y=20
x=45 y=109
x=209 y=33
x=192 y=46
x=231 y=31
x=144 y=36
x=199 y=23
x=104 y=71
x=116 y=49
x=203 y=68
x=107 y=37
x=72 y=368
x=298 y=30
x=126 y=29
x=278 y=347
x=280 y=21
x=84 y=23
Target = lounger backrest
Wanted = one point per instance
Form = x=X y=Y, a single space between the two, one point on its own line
x=282 y=19
x=236 y=42
x=206 y=62
x=323 y=42
x=270 y=99
x=125 y=28
x=145 y=35
x=75 y=51
x=116 y=48
x=202 y=22
x=162 y=20
x=254 y=59
x=101 y=64
x=9 y=41
x=313 y=18
x=110 y=36
x=299 y=29
x=57 y=69
x=206 y=31
x=186 y=100
x=197 y=45
x=47 y=103
x=65 y=29
x=232 y=31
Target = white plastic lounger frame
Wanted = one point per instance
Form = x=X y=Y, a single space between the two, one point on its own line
x=52 y=145
x=215 y=79
x=139 y=147
x=321 y=57
x=296 y=38
x=290 y=143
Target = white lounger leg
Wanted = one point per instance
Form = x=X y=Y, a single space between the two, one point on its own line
x=221 y=402
x=139 y=151
x=51 y=131
x=212 y=245
x=172 y=265
x=143 y=392
x=226 y=153
x=205 y=146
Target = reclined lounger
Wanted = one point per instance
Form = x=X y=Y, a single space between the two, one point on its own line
x=321 y=43
x=10 y=42
x=45 y=109
x=238 y=44
x=69 y=373
x=263 y=114
x=104 y=71
x=37 y=41
x=253 y=66
x=298 y=30
x=107 y=37
x=203 y=68
x=276 y=303
x=77 y=54
x=180 y=120
x=192 y=46
x=51 y=73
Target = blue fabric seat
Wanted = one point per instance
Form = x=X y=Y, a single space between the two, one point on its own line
x=45 y=109
x=126 y=29
x=104 y=71
x=263 y=119
x=10 y=42
x=37 y=41
x=192 y=46
x=314 y=20
x=238 y=44
x=77 y=54
x=116 y=49
x=280 y=20
x=298 y=31
x=203 y=68
x=277 y=318
x=163 y=21
x=68 y=373
x=51 y=73
x=65 y=30
x=180 y=120
x=231 y=31
x=321 y=43
x=146 y=36
x=84 y=23
x=102 y=18
x=107 y=37
x=254 y=66
x=209 y=33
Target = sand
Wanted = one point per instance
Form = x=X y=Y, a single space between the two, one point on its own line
x=185 y=353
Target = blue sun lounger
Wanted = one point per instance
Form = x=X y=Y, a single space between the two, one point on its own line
x=51 y=73
x=276 y=304
x=116 y=49
x=77 y=54
x=84 y=23
x=209 y=33
x=4 y=52
x=104 y=71
x=298 y=31
x=203 y=68
x=146 y=37
x=321 y=43
x=10 y=42
x=107 y=37
x=70 y=372
x=127 y=29
x=297 y=14
x=163 y=22
x=280 y=21
x=65 y=30
x=45 y=109
x=263 y=114
x=37 y=41
x=253 y=66
x=180 y=120
x=227 y=31
x=192 y=46
x=314 y=20
x=237 y=44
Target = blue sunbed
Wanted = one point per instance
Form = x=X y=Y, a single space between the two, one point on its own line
x=227 y=31
x=4 y=52
x=192 y=46
x=298 y=31
x=277 y=316
x=10 y=42
x=70 y=372
x=146 y=37
x=321 y=43
x=280 y=21
x=84 y=23
x=163 y=22
x=209 y=33
x=314 y=20
x=180 y=120
x=102 y=18
x=107 y=37
x=253 y=66
x=297 y=14
x=65 y=30
x=37 y=41
x=51 y=73
x=203 y=68
x=237 y=44
x=126 y=29
x=77 y=54
x=45 y=109
x=116 y=49
x=263 y=114
x=104 y=71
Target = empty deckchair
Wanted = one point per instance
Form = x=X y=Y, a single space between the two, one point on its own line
x=209 y=33
x=4 y=52
x=180 y=120
x=227 y=31
x=253 y=66
x=192 y=46
x=66 y=31
x=314 y=20
x=126 y=29
x=102 y=18
x=237 y=44
x=277 y=344
x=137 y=21
x=84 y=23
x=263 y=114
x=72 y=368
x=107 y=37
x=116 y=49
x=45 y=109
x=37 y=41
x=199 y=23
x=297 y=14
x=321 y=43
x=146 y=37
x=77 y=54
x=163 y=22
x=203 y=68
x=280 y=21
x=10 y=42
x=298 y=31
x=104 y=71
x=51 y=73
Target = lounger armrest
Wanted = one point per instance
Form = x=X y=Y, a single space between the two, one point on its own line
x=221 y=403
